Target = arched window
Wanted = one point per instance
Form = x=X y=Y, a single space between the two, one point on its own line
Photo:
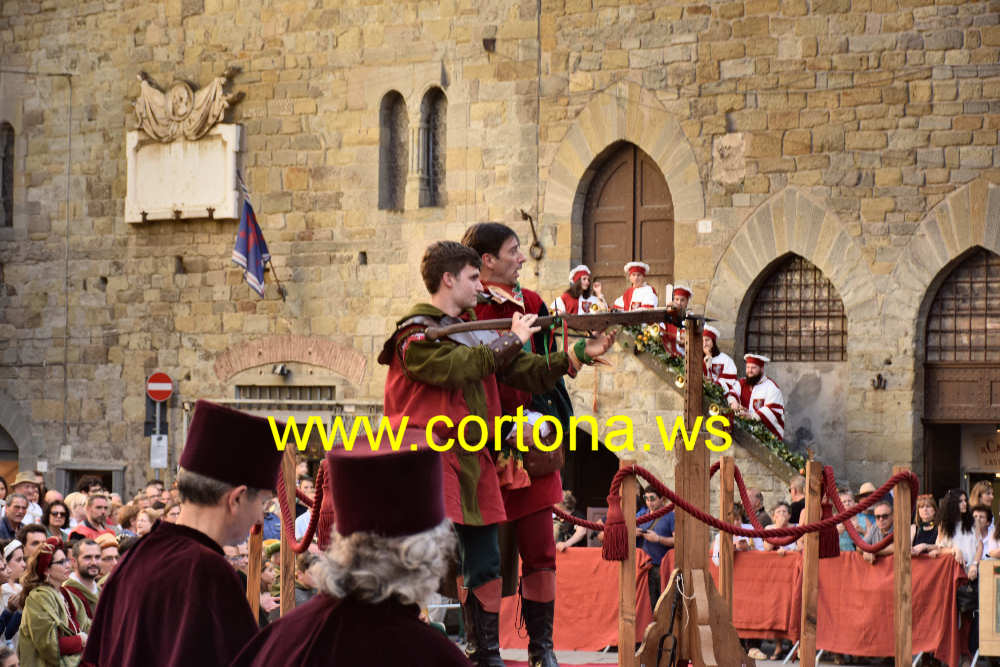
x=7 y=176
x=797 y=315
x=431 y=166
x=964 y=319
x=392 y=152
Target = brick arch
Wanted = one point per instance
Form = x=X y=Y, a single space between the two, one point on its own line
x=791 y=222
x=314 y=350
x=965 y=219
x=624 y=111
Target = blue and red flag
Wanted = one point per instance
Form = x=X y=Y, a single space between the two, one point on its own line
x=251 y=250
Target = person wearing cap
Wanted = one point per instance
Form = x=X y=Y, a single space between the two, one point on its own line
x=583 y=296
x=226 y=475
x=639 y=294
x=757 y=396
x=26 y=484
x=438 y=383
x=380 y=567
x=718 y=366
x=671 y=334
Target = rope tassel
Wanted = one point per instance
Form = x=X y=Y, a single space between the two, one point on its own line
x=615 y=531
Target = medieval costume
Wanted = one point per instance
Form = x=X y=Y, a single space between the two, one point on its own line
x=180 y=573
x=721 y=369
x=761 y=397
x=585 y=301
x=51 y=628
x=633 y=298
x=673 y=341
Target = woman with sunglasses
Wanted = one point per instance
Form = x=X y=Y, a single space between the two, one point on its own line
x=53 y=626
x=55 y=518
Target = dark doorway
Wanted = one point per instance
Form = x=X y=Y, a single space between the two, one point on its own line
x=588 y=473
x=628 y=216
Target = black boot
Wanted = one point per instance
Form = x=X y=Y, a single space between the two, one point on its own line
x=470 y=628
x=486 y=633
x=538 y=619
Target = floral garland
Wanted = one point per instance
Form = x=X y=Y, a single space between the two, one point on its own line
x=647 y=339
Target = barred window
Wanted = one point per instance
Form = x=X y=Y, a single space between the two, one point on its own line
x=281 y=393
x=964 y=319
x=431 y=166
x=797 y=315
x=392 y=151
x=7 y=173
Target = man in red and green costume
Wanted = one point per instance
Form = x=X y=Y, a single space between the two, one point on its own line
x=435 y=384
x=529 y=509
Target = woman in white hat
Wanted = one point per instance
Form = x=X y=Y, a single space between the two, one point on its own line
x=641 y=294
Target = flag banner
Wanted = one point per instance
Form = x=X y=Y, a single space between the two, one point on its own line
x=250 y=251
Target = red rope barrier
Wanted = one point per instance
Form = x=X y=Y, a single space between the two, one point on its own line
x=288 y=518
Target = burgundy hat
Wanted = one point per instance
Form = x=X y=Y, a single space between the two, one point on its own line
x=232 y=447
x=409 y=498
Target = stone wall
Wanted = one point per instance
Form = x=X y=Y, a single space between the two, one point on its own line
x=861 y=134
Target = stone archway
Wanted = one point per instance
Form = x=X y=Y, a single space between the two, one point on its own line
x=313 y=350
x=18 y=427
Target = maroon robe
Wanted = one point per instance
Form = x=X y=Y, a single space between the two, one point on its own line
x=172 y=600
x=330 y=631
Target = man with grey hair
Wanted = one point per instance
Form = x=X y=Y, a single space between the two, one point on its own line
x=227 y=472
x=382 y=564
x=881 y=529
x=17 y=507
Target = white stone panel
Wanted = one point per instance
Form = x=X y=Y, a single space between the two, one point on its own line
x=183 y=179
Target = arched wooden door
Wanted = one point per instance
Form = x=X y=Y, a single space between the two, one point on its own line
x=628 y=216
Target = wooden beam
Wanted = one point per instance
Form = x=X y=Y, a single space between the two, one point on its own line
x=626 y=575
x=726 y=483
x=901 y=571
x=287 y=555
x=255 y=555
x=810 y=564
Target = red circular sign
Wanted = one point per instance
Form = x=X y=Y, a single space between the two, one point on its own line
x=159 y=386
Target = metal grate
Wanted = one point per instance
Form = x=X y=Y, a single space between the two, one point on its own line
x=797 y=315
x=964 y=320
x=282 y=393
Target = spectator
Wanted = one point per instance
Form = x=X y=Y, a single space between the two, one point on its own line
x=307 y=486
x=172 y=512
x=52 y=625
x=154 y=488
x=55 y=518
x=567 y=534
x=881 y=530
x=782 y=518
x=13 y=553
x=95 y=522
x=866 y=489
x=657 y=538
x=3 y=493
x=797 y=498
x=82 y=581
x=381 y=566
x=26 y=484
x=114 y=512
x=982 y=520
x=982 y=494
x=923 y=532
x=109 y=556
x=166 y=498
x=125 y=543
x=739 y=543
x=17 y=506
x=757 y=498
x=126 y=520
x=861 y=522
x=89 y=484
x=271 y=526
x=305 y=582
x=8 y=658
x=955 y=534
x=144 y=521
x=32 y=536
x=77 y=503
x=51 y=496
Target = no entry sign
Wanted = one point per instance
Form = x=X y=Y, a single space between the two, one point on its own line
x=159 y=387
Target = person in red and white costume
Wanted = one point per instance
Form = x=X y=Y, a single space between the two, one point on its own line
x=671 y=335
x=758 y=397
x=719 y=367
x=641 y=294
x=583 y=296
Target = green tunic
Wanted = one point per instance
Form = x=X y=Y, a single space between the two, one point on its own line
x=44 y=621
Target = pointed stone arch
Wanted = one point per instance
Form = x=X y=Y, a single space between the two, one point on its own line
x=625 y=111
x=791 y=222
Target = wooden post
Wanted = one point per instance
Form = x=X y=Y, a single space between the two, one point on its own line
x=255 y=546
x=287 y=555
x=626 y=575
x=726 y=483
x=901 y=571
x=810 y=564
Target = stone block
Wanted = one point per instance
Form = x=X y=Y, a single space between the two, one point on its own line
x=935 y=40
x=869 y=140
x=975 y=156
x=763 y=144
x=797 y=142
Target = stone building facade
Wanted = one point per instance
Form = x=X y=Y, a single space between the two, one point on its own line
x=857 y=135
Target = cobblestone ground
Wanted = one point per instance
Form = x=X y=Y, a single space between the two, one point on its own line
x=595 y=658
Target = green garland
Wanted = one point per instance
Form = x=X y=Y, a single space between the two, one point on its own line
x=647 y=340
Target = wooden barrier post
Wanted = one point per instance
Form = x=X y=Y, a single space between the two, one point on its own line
x=810 y=564
x=626 y=575
x=255 y=546
x=901 y=571
x=726 y=483
x=287 y=555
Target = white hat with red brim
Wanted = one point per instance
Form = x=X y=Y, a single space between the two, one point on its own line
x=640 y=267
x=712 y=332
x=683 y=289
x=758 y=359
x=578 y=272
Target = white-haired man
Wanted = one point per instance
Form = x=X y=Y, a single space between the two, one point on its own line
x=639 y=294
x=381 y=566
x=758 y=397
